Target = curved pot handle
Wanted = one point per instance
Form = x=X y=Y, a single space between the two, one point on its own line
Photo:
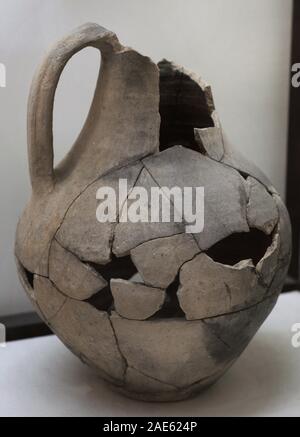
x=42 y=93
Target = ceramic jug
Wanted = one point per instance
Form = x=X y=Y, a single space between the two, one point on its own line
x=158 y=311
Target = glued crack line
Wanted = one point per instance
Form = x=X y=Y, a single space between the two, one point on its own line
x=170 y=200
x=237 y=311
x=112 y=239
x=154 y=379
x=126 y=365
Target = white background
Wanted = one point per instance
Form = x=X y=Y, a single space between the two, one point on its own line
x=241 y=47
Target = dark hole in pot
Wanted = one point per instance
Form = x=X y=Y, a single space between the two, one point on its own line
x=237 y=247
x=102 y=300
x=243 y=174
x=171 y=307
x=29 y=276
x=182 y=108
x=118 y=268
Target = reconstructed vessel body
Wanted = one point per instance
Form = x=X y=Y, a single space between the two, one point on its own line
x=159 y=313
